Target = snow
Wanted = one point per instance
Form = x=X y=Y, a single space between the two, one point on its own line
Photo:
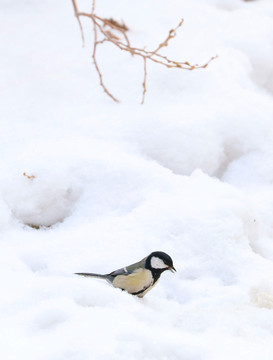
x=189 y=173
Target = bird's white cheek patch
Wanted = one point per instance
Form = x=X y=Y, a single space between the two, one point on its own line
x=157 y=263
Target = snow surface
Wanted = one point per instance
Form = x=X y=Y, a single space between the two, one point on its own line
x=189 y=173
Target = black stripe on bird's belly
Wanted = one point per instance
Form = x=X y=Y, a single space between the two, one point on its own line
x=143 y=290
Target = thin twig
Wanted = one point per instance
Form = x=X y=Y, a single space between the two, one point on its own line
x=96 y=42
x=144 y=84
x=171 y=35
x=79 y=21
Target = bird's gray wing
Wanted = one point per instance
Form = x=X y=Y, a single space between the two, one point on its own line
x=128 y=269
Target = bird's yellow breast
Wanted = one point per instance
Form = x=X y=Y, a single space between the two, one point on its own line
x=135 y=282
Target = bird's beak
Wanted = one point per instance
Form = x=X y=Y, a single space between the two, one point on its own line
x=172 y=269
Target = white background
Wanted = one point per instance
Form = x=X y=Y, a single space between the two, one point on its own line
x=189 y=173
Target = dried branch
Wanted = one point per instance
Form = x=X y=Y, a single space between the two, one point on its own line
x=109 y=30
x=30 y=177
x=116 y=24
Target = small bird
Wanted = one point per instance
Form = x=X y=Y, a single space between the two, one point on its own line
x=139 y=278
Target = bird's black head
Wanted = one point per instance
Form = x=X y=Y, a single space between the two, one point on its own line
x=158 y=262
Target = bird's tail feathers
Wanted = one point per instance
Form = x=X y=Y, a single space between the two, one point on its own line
x=99 y=276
